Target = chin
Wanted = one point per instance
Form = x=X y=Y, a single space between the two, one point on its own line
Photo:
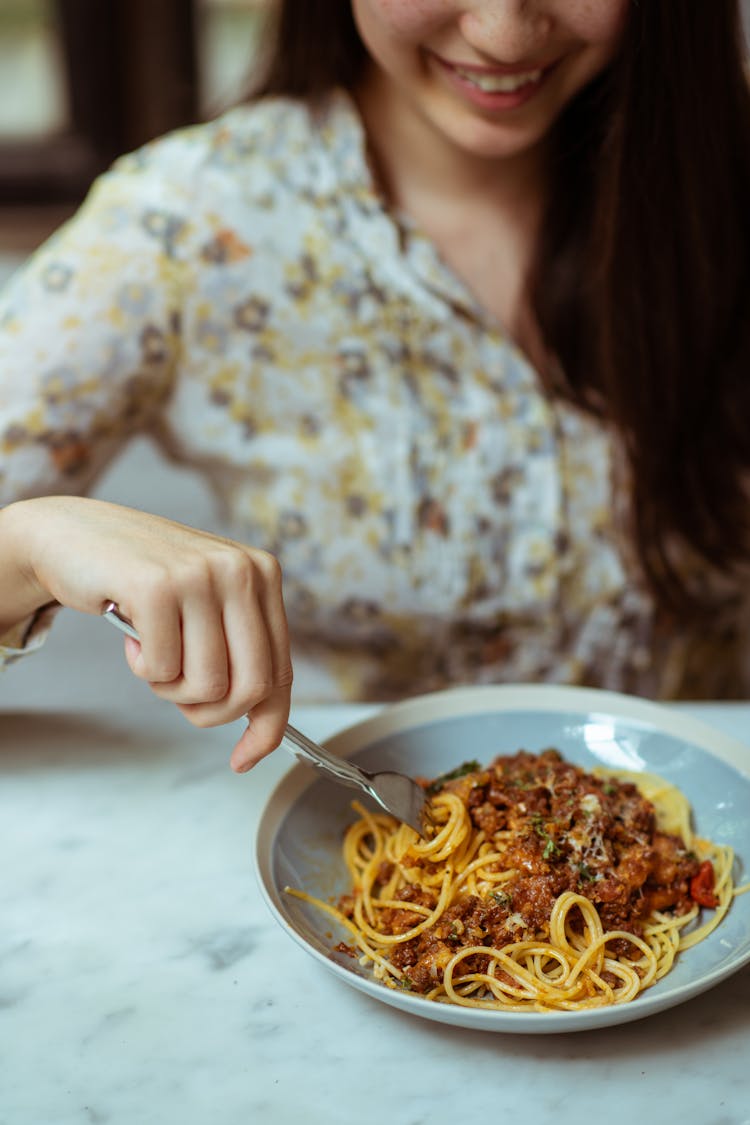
x=477 y=139
x=484 y=138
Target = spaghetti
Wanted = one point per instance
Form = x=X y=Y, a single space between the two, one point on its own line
x=541 y=887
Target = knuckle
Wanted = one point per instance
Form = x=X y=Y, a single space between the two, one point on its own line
x=164 y=671
x=204 y=715
x=197 y=693
x=213 y=689
x=255 y=693
x=233 y=567
x=198 y=716
x=285 y=677
x=188 y=693
x=160 y=667
x=154 y=585
x=194 y=576
x=171 y=692
x=252 y=571
x=159 y=679
x=170 y=580
x=270 y=568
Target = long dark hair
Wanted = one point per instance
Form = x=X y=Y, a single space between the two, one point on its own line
x=641 y=283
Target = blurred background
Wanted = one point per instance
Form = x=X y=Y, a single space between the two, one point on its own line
x=82 y=81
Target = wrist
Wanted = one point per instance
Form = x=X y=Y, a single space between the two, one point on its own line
x=21 y=592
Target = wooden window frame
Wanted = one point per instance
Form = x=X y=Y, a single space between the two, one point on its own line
x=131 y=73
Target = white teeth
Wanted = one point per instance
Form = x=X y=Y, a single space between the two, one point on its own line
x=500 y=83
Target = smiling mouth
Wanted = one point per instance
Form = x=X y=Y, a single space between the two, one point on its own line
x=498 y=83
x=509 y=85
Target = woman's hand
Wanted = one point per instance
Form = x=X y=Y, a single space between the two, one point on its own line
x=208 y=611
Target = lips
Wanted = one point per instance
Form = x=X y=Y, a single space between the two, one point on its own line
x=496 y=87
x=493 y=83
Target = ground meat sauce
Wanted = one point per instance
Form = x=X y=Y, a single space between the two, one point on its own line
x=570 y=831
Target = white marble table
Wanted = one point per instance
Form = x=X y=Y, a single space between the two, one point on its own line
x=142 y=980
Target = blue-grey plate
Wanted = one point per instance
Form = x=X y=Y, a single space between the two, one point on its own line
x=299 y=835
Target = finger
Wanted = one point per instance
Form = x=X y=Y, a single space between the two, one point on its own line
x=264 y=731
x=250 y=665
x=268 y=719
x=157 y=657
x=274 y=615
x=205 y=663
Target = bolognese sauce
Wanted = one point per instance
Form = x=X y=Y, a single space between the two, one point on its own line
x=560 y=829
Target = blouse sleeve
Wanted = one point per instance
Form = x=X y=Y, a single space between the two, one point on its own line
x=90 y=333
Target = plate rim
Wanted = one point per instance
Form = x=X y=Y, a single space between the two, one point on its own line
x=499 y=698
x=454 y=702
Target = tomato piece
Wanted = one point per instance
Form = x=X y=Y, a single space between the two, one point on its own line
x=702 y=886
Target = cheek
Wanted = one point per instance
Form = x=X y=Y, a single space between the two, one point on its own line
x=597 y=22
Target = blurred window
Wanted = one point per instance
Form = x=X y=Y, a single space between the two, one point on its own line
x=33 y=92
x=82 y=81
x=228 y=33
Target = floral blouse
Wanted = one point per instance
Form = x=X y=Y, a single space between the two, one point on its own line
x=239 y=291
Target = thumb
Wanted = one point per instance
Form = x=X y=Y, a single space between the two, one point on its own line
x=266 y=724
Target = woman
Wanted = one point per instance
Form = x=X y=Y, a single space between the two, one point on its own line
x=454 y=317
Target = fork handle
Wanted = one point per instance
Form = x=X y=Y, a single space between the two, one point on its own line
x=309 y=752
x=292 y=740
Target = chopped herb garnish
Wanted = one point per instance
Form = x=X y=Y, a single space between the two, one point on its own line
x=460 y=771
x=550 y=847
x=585 y=874
x=502 y=898
x=610 y=789
x=537 y=823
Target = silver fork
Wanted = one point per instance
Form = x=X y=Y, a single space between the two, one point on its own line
x=398 y=794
